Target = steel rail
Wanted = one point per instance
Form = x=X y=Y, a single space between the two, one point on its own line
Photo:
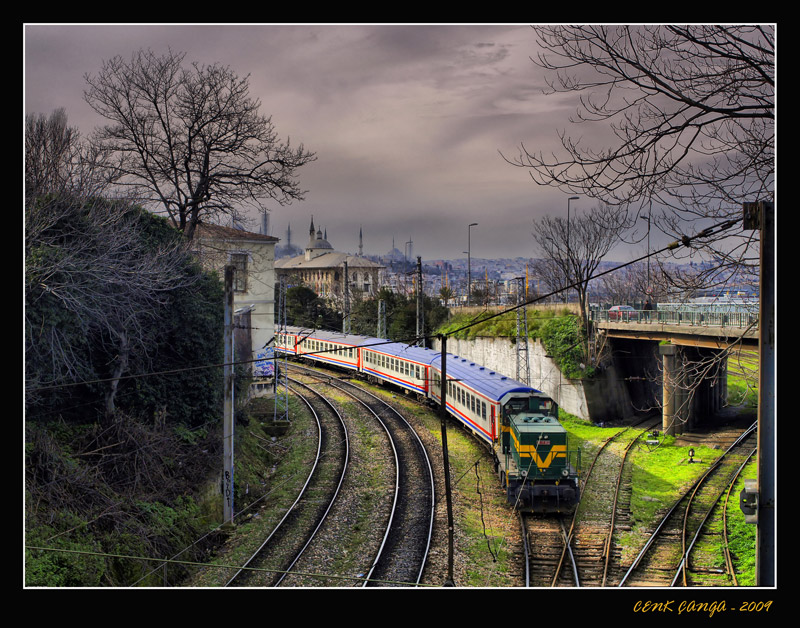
x=345 y=462
x=296 y=501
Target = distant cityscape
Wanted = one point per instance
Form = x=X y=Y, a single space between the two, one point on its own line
x=496 y=280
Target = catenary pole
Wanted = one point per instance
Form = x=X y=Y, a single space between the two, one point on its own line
x=761 y=216
x=450 y=582
x=227 y=454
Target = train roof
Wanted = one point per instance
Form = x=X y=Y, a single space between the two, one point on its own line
x=381 y=345
x=329 y=336
x=482 y=379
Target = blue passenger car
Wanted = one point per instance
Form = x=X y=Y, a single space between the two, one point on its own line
x=519 y=424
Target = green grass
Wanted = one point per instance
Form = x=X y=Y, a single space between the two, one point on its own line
x=503 y=326
x=741 y=535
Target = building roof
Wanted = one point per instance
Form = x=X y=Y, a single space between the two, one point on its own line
x=218 y=232
x=333 y=259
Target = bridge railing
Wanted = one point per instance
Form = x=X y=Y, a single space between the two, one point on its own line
x=739 y=319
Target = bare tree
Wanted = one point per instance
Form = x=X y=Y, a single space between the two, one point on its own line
x=58 y=162
x=573 y=250
x=91 y=259
x=191 y=140
x=637 y=282
x=691 y=111
x=91 y=269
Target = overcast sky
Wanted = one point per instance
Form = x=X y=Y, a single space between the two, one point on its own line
x=407 y=122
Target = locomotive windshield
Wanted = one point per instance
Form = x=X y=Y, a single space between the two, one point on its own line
x=531 y=404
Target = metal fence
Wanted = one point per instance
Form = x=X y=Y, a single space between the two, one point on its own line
x=706 y=317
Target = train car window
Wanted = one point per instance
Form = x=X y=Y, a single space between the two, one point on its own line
x=483 y=409
x=472 y=403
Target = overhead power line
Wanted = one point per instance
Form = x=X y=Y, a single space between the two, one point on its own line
x=683 y=241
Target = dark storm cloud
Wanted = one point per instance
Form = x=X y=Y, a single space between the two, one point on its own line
x=408 y=122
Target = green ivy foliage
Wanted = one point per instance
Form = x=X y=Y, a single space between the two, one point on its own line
x=185 y=332
x=563 y=339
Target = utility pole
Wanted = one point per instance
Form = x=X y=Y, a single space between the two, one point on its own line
x=281 y=372
x=450 y=582
x=469 y=261
x=227 y=454
x=761 y=216
x=346 y=313
x=523 y=367
x=381 y=333
x=420 y=305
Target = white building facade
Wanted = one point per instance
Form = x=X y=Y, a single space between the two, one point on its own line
x=253 y=256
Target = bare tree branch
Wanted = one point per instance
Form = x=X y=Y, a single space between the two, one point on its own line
x=691 y=110
x=191 y=140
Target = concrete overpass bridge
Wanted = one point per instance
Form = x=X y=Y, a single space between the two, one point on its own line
x=686 y=351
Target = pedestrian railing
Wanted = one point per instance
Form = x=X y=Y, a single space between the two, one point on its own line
x=743 y=319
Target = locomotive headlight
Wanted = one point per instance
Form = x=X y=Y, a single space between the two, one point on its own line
x=565 y=472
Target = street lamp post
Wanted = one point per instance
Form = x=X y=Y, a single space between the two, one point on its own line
x=469 y=263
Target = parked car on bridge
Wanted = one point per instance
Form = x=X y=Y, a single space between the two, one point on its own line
x=622 y=313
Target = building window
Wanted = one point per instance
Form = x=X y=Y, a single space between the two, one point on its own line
x=239 y=261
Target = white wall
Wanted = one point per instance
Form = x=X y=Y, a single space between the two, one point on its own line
x=603 y=399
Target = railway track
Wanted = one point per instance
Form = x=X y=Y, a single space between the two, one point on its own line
x=545 y=546
x=666 y=559
x=580 y=554
x=273 y=560
x=404 y=548
x=605 y=507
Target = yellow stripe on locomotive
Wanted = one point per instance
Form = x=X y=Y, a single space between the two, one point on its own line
x=541 y=470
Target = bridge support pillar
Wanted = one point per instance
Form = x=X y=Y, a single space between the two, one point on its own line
x=670 y=395
x=694 y=386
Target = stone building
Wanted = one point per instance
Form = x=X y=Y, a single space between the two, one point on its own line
x=321 y=268
x=253 y=255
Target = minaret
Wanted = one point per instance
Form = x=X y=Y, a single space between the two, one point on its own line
x=360 y=242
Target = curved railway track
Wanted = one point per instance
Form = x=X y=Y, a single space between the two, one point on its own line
x=279 y=552
x=666 y=559
x=403 y=552
x=607 y=486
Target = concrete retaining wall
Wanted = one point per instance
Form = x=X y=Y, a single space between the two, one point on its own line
x=601 y=399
